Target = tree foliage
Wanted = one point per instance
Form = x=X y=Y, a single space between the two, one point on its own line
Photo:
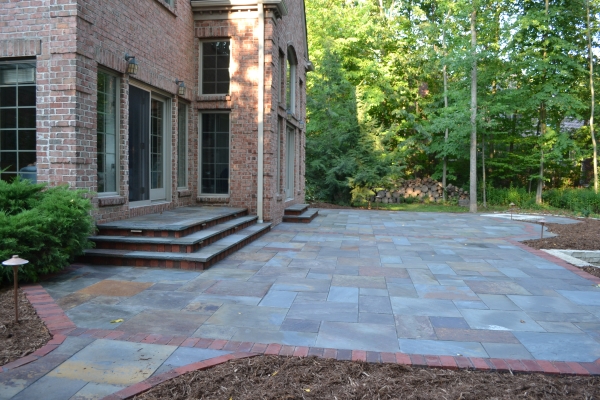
x=376 y=108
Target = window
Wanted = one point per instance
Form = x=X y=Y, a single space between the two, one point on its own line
x=290 y=87
x=107 y=126
x=17 y=120
x=215 y=154
x=280 y=130
x=281 y=80
x=182 y=146
x=157 y=127
x=215 y=67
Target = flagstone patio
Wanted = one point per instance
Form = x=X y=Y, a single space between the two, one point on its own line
x=416 y=283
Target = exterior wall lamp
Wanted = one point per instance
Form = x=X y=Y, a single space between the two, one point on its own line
x=180 y=87
x=132 y=65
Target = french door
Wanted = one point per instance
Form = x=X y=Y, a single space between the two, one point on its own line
x=147 y=142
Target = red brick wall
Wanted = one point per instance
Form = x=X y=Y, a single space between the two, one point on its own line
x=71 y=39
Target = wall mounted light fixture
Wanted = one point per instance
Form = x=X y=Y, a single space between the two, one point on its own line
x=132 y=65
x=180 y=87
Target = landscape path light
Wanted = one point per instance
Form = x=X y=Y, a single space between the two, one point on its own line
x=15 y=262
x=542 y=221
x=512 y=207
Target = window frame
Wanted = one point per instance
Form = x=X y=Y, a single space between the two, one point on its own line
x=290 y=81
x=201 y=67
x=17 y=128
x=200 y=151
x=117 y=132
x=186 y=108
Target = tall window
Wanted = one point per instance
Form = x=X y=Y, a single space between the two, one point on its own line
x=215 y=154
x=107 y=118
x=182 y=146
x=17 y=120
x=281 y=80
x=215 y=67
x=290 y=85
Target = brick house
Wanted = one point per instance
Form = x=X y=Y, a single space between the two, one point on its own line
x=214 y=113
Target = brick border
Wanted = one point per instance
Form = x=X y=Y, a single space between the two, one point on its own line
x=55 y=319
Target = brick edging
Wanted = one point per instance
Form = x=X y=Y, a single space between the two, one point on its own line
x=413 y=360
x=55 y=319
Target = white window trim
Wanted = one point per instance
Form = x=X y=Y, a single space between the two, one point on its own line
x=200 y=193
x=187 y=133
x=200 y=78
x=117 y=134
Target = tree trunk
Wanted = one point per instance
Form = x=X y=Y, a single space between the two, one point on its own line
x=473 y=155
x=483 y=168
x=445 y=167
x=591 y=59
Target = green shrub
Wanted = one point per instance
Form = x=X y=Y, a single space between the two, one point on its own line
x=47 y=226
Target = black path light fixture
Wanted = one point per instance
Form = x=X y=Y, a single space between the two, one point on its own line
x=542 y=222
x=15 y=262
x=180 y=87
x=132 y=65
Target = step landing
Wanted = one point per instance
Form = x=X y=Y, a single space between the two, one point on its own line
x=300 y=213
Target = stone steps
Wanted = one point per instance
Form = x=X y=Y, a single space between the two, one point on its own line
x=186 y=244
x=300 y=213
x=187 y=238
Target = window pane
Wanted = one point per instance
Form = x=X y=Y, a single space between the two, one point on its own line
x=222 y=88
x=8 y=140
x=8 y=118
x=8 y=96
x=8 y=161
x=26 y=117
x=27 y=96
x=26 y=140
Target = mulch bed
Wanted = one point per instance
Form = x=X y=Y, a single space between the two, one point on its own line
x=19 y=340
x=584 y=235
x=274 y=377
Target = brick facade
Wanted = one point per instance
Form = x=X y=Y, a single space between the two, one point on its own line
x=71 y=40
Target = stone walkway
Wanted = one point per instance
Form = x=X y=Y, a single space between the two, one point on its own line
x=455 y=285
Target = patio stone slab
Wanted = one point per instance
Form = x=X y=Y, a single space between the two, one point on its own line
x=475 y=335
x=511 y=351
x=442 y=348
x=164 y=322
x=98 y=316
x=545 y=304
x=445 y=292
x=502 y=288
x=234 y=288
x=114 y=362
x=587 y=298
x=414 y=327
x=495 y=320
x=160 y=300
x=185 y=355
x=115 y=288
x=424 y=307
x=96 y=391
x=343 y=294
x=325 y=311
x=238 y=315
x=300 y=325
x=357 y=336
x=278 y=298
x=560 y=346
x=50 y=387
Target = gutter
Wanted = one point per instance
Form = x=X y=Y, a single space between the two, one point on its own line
x=261 y=109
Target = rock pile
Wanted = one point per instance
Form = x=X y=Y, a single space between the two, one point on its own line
x=421 y=189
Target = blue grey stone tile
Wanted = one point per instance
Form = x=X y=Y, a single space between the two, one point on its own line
x=374 y=304
x=343 y=294
x=497 y=320
x=276 y=298
x=560 y=346
x=357 y=336
x=424 y=307
x=442 y=348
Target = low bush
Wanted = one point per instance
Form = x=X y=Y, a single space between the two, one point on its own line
x=47 y=226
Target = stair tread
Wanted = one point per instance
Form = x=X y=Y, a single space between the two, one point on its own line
x=296 y=207
x=306 y=214
x=192 y=238
x=201 y=255
x=174 y=220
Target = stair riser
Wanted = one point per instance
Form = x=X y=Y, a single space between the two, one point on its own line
x=165 y=234
x=300 y=220
x=168 y=247
x=294 y=212
x=184 y=264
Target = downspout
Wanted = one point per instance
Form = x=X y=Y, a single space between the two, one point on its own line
x=261 y=109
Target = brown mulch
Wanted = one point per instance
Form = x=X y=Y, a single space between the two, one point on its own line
x=19 y=340
x=272 y=377
x=584 y=235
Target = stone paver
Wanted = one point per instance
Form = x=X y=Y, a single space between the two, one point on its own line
x=346 y=285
